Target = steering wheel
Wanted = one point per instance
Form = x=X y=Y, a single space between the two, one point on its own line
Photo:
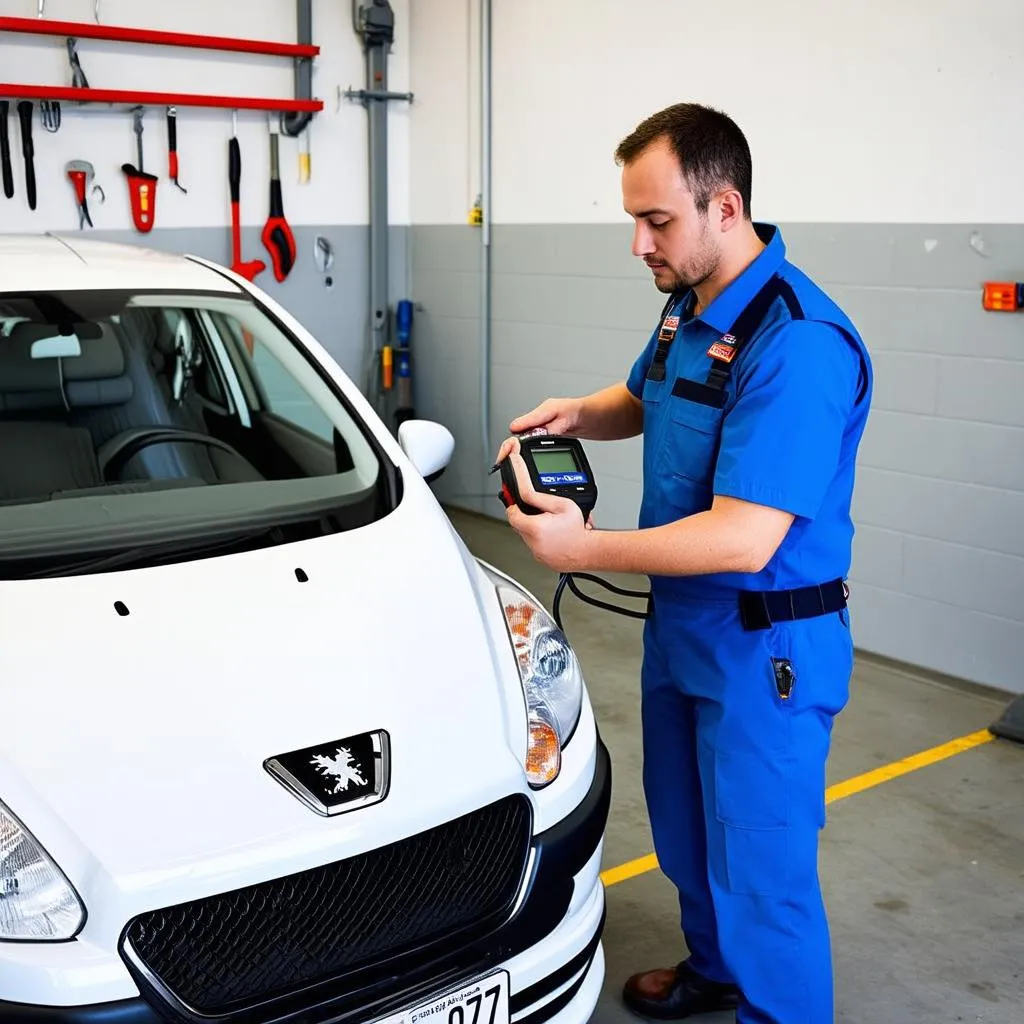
x=114 y=454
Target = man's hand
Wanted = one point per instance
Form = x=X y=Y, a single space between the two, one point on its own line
x=556 y=416
x=558 y=537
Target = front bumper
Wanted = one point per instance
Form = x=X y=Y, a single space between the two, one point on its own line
x=551 y=946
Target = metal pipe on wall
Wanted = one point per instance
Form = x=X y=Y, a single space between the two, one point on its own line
x=377 y=80
x=293 y=124
x=485 y=237
x=374 y=22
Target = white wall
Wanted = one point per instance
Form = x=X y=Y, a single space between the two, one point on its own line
x=892 y=111
x=884 y=143
x=337 y=191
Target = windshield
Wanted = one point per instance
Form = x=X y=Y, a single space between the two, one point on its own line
x=138 y=418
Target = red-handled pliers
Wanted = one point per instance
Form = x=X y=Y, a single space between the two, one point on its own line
x=80 y=173
x=277 y=234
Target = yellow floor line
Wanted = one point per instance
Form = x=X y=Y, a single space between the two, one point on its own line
x=840 y=791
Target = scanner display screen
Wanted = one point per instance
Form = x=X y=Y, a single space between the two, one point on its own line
x=557 y=467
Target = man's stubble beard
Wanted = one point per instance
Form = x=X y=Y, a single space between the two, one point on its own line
x=703 y=265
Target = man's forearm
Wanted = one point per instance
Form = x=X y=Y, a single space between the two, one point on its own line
x=610 y=415
x=689 y=547
x=731 y=537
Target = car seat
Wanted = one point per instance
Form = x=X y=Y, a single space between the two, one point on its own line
x=148 y=350
x=40 y=452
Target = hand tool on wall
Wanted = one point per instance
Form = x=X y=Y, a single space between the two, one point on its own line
x=141 y=186
x=5 y=149
x=138 y=127
x=49 y=115
x=80 y=173
x=172 y=146
x=250 y=269
x=277 y=234
x=78 y=79
x=305 y=165
x=28 y=150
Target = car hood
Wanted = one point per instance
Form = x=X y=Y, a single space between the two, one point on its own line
x=134 y=745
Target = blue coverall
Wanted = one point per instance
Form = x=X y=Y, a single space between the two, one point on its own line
x=738 y=708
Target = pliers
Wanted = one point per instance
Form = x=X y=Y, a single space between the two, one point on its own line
x=80 y=173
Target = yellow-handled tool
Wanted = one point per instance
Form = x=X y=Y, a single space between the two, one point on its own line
x=304 y=159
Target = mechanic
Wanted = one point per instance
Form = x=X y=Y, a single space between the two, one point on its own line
x=752 y=396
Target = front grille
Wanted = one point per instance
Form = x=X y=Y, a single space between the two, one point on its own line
x=224 y=953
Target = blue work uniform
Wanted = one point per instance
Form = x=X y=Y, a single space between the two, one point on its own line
x=763 y=396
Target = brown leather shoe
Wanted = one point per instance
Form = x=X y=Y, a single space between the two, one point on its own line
x=673 y=993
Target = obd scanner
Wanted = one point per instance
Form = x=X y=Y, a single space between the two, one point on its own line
x=557 y=465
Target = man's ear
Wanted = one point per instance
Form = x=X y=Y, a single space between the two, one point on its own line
x=730 y=209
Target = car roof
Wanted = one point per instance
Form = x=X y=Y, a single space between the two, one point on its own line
x=55 y=262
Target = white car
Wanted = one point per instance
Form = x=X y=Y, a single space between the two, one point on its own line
x=275 y=746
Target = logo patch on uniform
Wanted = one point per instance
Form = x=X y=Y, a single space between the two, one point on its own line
x=669 y=326
x=724 y=349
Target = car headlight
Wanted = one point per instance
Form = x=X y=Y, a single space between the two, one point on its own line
x=551 y=678
x=36 y=901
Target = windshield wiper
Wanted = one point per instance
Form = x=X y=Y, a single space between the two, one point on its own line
x=158 y=553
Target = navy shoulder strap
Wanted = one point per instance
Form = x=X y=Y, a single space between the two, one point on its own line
x=725 y=351
x=666 y=333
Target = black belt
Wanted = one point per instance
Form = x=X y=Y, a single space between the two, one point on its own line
x=760 y=608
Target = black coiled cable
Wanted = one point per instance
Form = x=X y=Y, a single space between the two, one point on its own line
x=569 y=579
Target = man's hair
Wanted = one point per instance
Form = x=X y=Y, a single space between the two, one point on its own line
x=711 y=150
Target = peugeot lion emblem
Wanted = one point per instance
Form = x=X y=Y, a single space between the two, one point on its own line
x=338 y=776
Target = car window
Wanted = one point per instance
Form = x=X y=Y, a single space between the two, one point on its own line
x=286 y=398
x=282 y=395
x=174 y=411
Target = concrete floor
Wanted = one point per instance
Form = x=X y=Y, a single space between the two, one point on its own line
x=923 y=874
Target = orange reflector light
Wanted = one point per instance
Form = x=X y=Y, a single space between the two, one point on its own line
x=1003 y=296
x=544 y=753
x=519 y=617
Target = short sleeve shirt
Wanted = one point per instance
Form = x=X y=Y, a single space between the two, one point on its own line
x=786 y=434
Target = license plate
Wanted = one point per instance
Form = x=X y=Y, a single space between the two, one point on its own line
x=484 y=1001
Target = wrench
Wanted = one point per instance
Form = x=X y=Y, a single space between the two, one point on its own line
x=138 y=111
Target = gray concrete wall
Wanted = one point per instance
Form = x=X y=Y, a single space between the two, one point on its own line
x=338 y=315
x=938 y=576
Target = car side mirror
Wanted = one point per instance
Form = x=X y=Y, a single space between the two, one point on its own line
x=428 y=445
